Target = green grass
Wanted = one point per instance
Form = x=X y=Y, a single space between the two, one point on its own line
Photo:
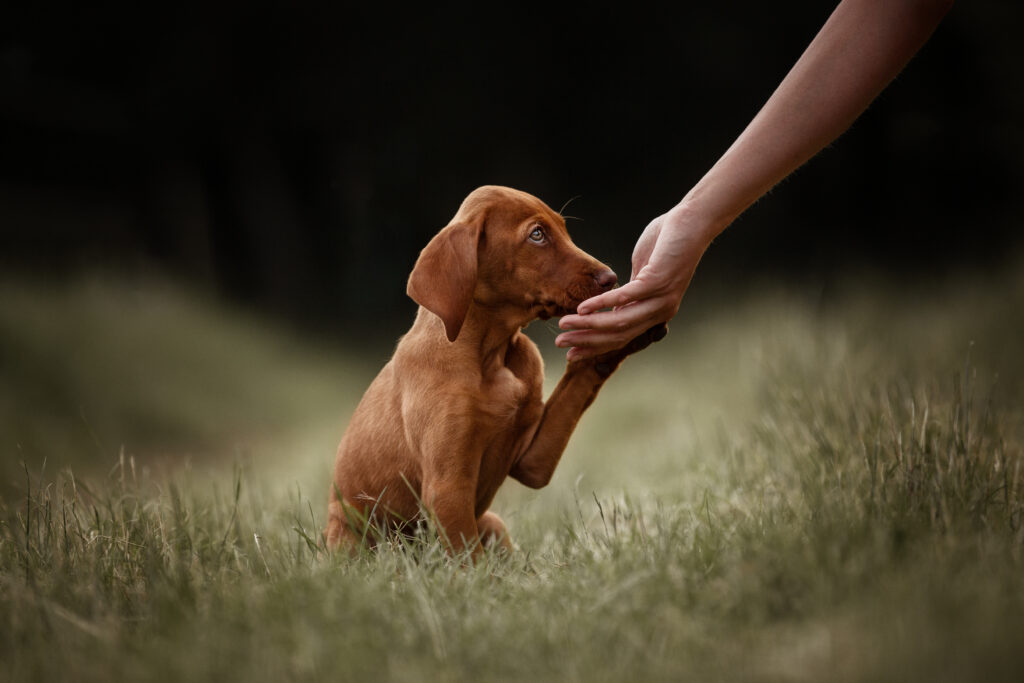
x=93 y=368
x=789 y=487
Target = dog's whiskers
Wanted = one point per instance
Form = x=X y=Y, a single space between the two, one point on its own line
x=567 y=203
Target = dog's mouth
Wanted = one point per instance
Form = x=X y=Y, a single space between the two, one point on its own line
x=548 y=305
x=550 y=309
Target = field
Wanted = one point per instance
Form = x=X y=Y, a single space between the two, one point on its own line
x=796 y=485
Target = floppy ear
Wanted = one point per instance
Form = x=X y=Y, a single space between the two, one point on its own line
x=444 y=276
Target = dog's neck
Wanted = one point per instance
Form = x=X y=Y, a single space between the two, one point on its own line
x=485 y=337
x=488 y=332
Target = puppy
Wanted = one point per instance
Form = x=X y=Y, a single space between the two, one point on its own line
x=459 y=408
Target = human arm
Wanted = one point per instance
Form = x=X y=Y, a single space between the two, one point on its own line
x=860 y=49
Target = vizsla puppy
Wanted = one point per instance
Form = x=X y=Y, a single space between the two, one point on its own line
x=459 y=407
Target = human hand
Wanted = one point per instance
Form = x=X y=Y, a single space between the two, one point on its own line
x=664 y=260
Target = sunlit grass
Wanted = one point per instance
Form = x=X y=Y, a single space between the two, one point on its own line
x=787 y=488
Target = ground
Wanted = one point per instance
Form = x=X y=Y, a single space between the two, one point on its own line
x=797 y=484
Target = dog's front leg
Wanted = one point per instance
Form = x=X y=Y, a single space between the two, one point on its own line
x=575 y=392
x=449 y=496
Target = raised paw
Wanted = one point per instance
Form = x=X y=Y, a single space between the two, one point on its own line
x=606 y=363
x=645 y=339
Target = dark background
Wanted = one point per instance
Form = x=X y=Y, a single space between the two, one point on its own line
x=296 y=160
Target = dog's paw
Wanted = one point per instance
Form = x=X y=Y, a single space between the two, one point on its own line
x=606 y=363
x=642 y=341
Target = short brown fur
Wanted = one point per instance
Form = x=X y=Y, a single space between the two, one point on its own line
x=459 y=407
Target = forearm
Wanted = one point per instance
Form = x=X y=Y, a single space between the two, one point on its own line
x=859 y=50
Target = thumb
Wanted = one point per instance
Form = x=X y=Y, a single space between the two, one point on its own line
x=641 y=257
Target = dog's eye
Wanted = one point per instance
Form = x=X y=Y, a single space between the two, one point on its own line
x=537 y=235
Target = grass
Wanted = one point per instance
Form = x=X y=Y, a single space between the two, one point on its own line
x=790 y=487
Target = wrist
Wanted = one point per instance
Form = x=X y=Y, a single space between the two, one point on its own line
x=702 y=224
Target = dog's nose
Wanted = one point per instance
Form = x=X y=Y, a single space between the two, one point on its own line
x=605 y=279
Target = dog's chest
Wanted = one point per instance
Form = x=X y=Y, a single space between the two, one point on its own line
x=512 y=386
x=503 y=395
x=511 y=407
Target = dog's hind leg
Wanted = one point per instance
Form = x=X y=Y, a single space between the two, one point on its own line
x=492 y=530
x=339 y=534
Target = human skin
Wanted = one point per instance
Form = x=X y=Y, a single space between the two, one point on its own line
x=860 y=49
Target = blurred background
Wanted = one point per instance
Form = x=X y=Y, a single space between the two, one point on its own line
x=290 y=162
x=296 y=159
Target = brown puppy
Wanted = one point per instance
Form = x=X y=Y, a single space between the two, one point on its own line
x=459 y=406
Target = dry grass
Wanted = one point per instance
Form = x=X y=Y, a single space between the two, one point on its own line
x=783 y=490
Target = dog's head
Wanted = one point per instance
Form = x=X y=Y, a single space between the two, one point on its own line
x=508 y=251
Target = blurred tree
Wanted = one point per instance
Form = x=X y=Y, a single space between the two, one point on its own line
x=300 y=159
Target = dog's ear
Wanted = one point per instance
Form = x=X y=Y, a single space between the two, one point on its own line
x=443 y=279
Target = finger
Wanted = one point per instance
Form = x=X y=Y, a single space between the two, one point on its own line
x=638 y=316
x=584 y=352
x=598 y=320
x=596 y=344
x=627 y=293
x=591 y=339
x=640 y=261
x=576 y=322
x=615 y=334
